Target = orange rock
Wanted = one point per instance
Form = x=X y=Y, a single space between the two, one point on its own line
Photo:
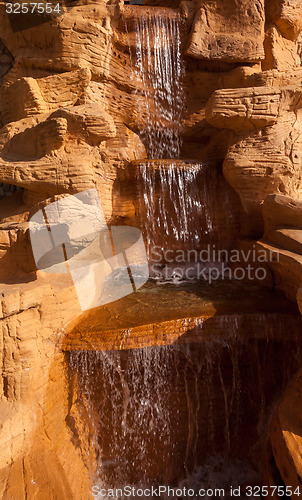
x=228 y=31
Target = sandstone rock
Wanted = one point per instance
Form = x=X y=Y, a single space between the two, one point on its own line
x=36 y=167
x=286 y=435
x=283 y=231
x=89 y=120
x=251 y=108
x=6 y=61
x=244 y=108
x=188 y=10
x=273 y=78
x=29 y=96
x=280 y=53
x=32 y=388
x=230 y=31
x=85 y=27
x=299 y=43
x=290 y=239
x=287 y=15
x=286 y=267
x=282 y=212
x=261 y=163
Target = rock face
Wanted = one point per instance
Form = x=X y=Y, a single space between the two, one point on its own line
x=265 y=122
x=230 y=31
x=37 y=454
x=288 y=17
x=286 y=435
x=71 y=109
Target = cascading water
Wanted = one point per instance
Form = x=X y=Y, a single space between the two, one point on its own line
x=179 y=207
x=174 y=201
x=158 y=68
x=194 y=413
x=173 y=415
x=177 y=199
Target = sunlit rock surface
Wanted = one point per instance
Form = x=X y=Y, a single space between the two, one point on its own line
x=75 y=110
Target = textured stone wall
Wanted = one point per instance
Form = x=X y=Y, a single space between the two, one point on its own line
x=71 y=122
x=6 y=61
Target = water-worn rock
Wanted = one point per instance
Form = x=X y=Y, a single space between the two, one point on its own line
x=37 y=454
x=29 y=96
x=280 y=53
x=244 y=108
x=283 y=232
x=281 y=212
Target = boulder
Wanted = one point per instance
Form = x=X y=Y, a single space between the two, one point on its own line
x=29 y=96
x=287 y=15
x=282 y=212
x=228 y=30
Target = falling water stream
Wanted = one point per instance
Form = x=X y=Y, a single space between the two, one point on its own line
x=189 y=413
x=176 y=201
x=158 y=68
x=179 y=206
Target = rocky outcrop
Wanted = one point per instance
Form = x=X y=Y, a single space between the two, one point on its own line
x=6 y=61
x=37 y=454
x=287 y=16
x=29 y=96
x=228 y=31
x=266 y=158
x=283 y=235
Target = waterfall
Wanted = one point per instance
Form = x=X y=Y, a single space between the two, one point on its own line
x=179 y=206
x=166 y=415
x=174 y=199
x=158 y=68
x=128 y=391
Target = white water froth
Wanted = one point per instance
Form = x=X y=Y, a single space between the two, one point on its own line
x=218 y=473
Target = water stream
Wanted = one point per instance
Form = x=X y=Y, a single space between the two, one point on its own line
x=180 y=208
x=158 y=68
x=166 y=415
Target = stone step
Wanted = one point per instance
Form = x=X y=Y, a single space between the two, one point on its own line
x=286 y=266
x=133 y=13
x=289 y=239
x=165 y=314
